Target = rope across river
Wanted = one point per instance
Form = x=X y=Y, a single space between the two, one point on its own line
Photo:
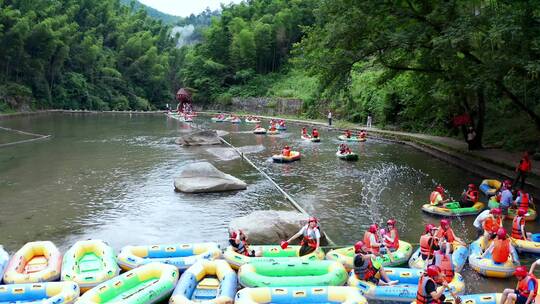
x=38 y=137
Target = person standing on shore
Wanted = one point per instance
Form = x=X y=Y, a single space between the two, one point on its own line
x=369 y=120
x=522 y=169
x=329 y=118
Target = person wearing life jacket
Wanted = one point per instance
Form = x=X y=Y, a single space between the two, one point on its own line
x=391 y=237
x=428 y=242
x=311 y=237
x=371 y=239
x=238 y=241
x=362 y=134
x=272 y=127
x=342 y=148
x=282 y=122
x=491 y=225
x=526 y=289
x=437 y=197
x=444 y=261
x=500 y=248
x=469 y=197
x=523 y=199
x=522 y=170
x=366 y=270
x=286 y=151
x=315 y=133
x=304 y=132
x=348 y=134
x=518 y=226
x=446 y=233
x=430 y=290
x=479 y=222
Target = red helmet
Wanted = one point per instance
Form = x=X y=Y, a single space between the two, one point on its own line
x=373 y=228
x=439 y=189
x=391 y=222
x=314 y=129
x=521 y=271
x=433 y=271
x=472 y=186
x=445 y=223
x=429 y=227
x=358 y=246
x=522 y=211
x=287 y=147
x=233 y=235
x=501 y=233
x=507 y=183
x=496 y=211
x=312 y=219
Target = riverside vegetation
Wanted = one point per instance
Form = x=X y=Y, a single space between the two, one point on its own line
x=412 y=64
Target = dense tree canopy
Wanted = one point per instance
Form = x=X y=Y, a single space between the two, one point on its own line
x=84 y=54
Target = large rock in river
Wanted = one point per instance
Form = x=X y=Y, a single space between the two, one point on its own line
x=199 y=138
x=270 y=227
x=203 y=177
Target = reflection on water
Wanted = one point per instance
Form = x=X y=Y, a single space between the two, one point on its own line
x=111 y=177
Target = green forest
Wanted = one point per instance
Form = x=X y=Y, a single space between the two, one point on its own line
x=414 y=65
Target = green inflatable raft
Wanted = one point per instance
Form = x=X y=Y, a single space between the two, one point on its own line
x=293 y=272
x=151 y=283
x=346 y=256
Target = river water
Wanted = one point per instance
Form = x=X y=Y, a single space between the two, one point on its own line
x=110 y=176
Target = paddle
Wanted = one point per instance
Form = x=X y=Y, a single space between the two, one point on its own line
x=457 y=299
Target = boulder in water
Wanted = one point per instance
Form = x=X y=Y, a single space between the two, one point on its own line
x=199 y=138
x=202 y=177
x=269 y=226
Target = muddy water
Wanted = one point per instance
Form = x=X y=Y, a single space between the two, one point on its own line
x=111 y=177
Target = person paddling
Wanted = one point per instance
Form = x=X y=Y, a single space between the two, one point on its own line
x=429 y=290
x=366 y=270
x=311 y=237
x=437 y=196
x=469 y=197
x=526 y=289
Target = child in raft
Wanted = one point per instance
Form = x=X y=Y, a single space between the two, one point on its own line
x=500 y=248
x=437 y=196
x=365 y=269
x=518 y=226
x=311 y=237
x=238 y=241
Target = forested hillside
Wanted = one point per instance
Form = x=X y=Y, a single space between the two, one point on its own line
x=152 y=12
x=84 y=54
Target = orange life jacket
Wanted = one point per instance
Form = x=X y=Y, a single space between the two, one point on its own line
x=367 y=242
x=501 y=250
x=516 y=227
x=445 y=264
x=366 y=271
x=433 y=196
x=525 y=165
x=523 y=286
x=524 y=203
x=448 y=234
x=422 y=297
x=472 y=195
x=286 y=152
x=395 y=243
x=492 y=225
x=425 y=248
x=308 y=239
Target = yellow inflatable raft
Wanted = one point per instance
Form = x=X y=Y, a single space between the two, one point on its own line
x=268 y=252
x=526 y=246
x=346 y=256
x=490 y=186
x=314 y=295
x=34 y=262
x=486 y=266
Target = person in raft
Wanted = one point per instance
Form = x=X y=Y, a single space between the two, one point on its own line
x=437 y=197
x=273 y=127
x=282 y=123
x=428 y=242
x=372 y=240
x=348 y=133
x=311 y=237
x=304 y=131
x=522 y=169
x=500 y=248
x=526 y=289
x=479 y=221
x=344 y=149
x=469 y=197
x=286 y=151
x=444 y=261
x=446 y=234
x=391 y=237
x=362 y=134
x=428 y=291
x=314 y=133
x=366 y=270
x=238 y=241
x=523 y=199
x=518 y=226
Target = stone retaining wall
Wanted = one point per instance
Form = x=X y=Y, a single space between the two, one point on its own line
x=259 y=105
